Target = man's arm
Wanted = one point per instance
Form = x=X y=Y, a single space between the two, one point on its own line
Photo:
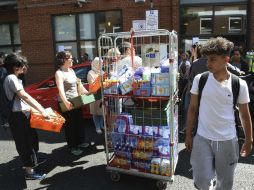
x=191 y=118
x=247 y=127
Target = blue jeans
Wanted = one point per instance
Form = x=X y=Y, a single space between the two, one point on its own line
x=98 y=121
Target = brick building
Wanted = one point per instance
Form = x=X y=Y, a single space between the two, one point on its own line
x=40 y=28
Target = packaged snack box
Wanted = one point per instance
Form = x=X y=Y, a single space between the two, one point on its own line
x=78 y=101
x=142 y=88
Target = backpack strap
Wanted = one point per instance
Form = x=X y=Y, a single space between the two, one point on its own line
x=235 y=89
x=201 y=85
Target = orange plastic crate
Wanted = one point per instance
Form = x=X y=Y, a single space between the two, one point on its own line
x=95 y=86
x=54 y=124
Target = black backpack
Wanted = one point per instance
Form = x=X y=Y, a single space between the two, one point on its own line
x=5 y=104
x=235 y=89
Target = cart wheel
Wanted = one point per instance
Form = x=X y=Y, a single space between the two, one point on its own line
x=115 y=176
x=162 y=185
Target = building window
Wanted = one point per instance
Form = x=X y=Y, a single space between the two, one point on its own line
x=65 y=28
x=87 y=26
x=235 y=24
x=9 y=38
x=228 y=19
x=194 y=20
x=205 y=25
x=206 y=21
x=78 y=33
x=5 y=34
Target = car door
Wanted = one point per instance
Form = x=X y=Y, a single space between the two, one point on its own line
x=46 y=93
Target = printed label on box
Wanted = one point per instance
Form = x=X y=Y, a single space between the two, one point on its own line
x=160 y=78
x=160 y=90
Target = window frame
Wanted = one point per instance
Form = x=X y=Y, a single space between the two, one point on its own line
x=13 y=46
x=233 y=30
x=205 y=31
x=78 y=40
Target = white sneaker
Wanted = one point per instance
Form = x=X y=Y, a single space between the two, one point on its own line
x=76 y=151
x=83 y=145
x=98 y=131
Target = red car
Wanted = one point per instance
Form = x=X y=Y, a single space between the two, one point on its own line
x=46 y=92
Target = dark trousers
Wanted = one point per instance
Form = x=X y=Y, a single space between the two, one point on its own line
x=74 y=127
x=25 y=137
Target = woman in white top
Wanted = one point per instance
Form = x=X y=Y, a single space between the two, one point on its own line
x=24 y=136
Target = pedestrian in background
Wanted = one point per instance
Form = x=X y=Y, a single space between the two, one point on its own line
x=215 y=149
x=96 y=107
x=199 y=65
x=25 y=137
x=67 y=84
x=237 y=60
x=3 y=73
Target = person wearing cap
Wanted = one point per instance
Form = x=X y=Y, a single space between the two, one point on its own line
x=126 y=59
x=96 y=107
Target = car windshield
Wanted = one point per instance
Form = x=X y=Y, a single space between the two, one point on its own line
x=81 y=73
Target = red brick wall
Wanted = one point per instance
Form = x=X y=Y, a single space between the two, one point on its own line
x=36 y=31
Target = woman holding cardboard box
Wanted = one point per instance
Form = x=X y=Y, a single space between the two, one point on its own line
x=69 y=87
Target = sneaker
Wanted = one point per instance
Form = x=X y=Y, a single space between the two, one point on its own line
x=76 y=151
x=34 y=176
x=83 y=145
x=98 y=131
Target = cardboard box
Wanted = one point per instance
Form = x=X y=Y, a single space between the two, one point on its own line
x=142 y=88
x=113 y=89
x=160 y=79
x=126 y=87
x=153 y=54
x=78 y=101
x=160 y=90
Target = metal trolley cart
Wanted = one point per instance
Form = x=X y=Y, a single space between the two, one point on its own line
x=139 y=103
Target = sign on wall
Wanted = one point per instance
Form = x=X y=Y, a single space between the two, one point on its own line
x=152 y=20
x=139 y=25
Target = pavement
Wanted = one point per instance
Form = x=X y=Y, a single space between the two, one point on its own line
x=88 y=171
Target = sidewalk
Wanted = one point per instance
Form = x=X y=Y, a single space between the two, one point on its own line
x=65 y=171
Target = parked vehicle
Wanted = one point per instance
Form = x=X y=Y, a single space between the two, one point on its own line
x=46 y=92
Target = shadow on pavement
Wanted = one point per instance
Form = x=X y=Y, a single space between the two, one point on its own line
x=95 y=178
x=52 y=137
x=12 y=176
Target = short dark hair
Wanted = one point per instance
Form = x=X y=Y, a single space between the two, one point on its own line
x=236 y=48
x=217 y=46
x=61 y=56
x=14 y=60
